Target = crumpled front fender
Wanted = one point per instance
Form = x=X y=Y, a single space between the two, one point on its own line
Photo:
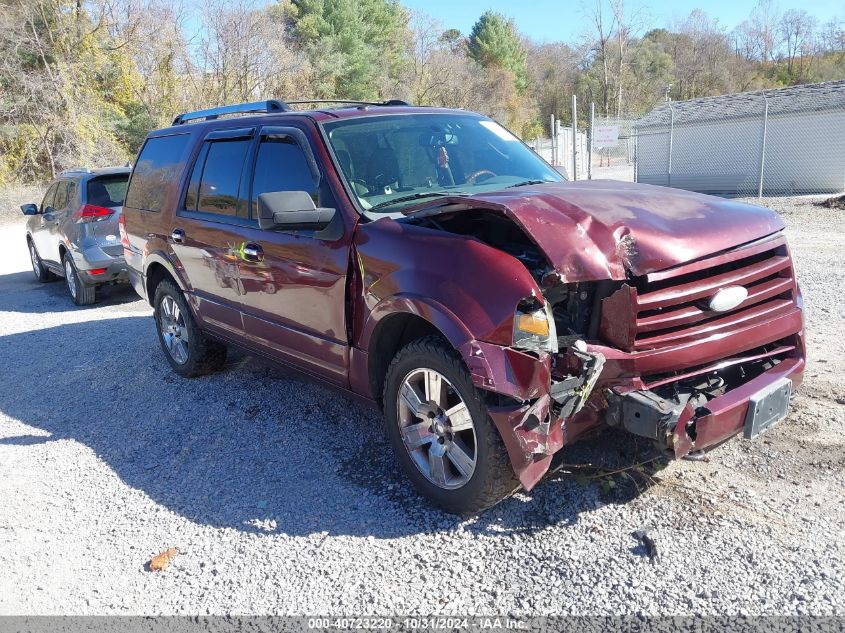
x=531 y=438
x=530 y=429
x=525 y=426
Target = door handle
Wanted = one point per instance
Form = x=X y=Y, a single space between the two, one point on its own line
x=178 y=236
x=253 y=252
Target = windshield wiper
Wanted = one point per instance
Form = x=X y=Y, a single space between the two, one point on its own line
x=528 y=182
x=416 y=196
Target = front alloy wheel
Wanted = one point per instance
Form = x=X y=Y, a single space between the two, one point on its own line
x=38 y=267
x=440 y=430
x=436 y=428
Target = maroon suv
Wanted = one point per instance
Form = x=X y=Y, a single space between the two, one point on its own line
x=428 y=262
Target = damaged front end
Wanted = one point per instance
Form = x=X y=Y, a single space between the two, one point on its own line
x=539 y=397
x=533 y=431
x=612 y=338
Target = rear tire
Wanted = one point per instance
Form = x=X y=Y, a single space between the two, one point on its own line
x=81 y=293
x=42 y=274
x=188 y=350
x=460 y=462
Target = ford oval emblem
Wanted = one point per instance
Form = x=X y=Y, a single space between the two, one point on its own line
x=727 y=298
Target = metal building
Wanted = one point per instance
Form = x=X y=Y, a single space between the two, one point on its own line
x=769 y=142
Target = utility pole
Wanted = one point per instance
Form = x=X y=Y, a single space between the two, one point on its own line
x=574 y=133
x=763 y=146
x=590 y=140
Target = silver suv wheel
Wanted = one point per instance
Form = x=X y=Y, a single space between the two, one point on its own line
x=36 y=265
x=70 y=277
x=437 y=429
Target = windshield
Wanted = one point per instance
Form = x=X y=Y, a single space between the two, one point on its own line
x=394 y=161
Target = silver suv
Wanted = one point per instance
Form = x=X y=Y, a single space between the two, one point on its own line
x=74 y=232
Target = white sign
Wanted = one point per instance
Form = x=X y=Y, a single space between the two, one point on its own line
x=606 y=136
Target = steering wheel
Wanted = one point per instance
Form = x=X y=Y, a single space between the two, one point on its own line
x=359 y=181
x=476 y=175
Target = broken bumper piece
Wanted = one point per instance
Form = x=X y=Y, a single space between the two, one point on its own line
x=681 y=425
x=533 y=430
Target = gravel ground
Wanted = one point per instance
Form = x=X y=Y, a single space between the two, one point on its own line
x=282 y=497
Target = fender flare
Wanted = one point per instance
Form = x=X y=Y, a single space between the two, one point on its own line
x=438 y=315
x=157 y=257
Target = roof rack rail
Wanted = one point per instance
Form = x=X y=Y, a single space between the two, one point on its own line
x=390 y=102
x=77 y=170
x=271 y=105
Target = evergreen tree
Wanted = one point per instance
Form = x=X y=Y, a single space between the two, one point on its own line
x=495 y=43
x=357 y=47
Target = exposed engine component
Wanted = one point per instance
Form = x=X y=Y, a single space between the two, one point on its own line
x=575 y=306
x=582 y=371
x=495 y=230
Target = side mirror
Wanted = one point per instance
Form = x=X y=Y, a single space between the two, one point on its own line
x=29 y=209
x=291 y=210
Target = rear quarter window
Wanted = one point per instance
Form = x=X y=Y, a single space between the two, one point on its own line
x=159 y=164
x=107 y=191
x=60 y=201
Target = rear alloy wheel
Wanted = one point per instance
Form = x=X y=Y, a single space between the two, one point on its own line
x=38 y=268
x=188 y=350
x=441 y=433
x=81 y=293
x=173 y=330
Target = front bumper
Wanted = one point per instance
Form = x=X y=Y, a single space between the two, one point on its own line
x=684 y=428
x=534 y=426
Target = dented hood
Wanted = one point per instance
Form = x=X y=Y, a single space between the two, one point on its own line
x=605 y=229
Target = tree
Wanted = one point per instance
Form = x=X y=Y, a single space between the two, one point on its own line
x=64 y=85
x=608 y=46
x=757 y=36
x=357 y=47
x=495 y=43
x=554 y=70
x=797 y=31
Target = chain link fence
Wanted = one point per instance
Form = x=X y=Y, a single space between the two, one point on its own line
x=614 y=148
x=767 y=143
x=789 y=141
x=558 y=151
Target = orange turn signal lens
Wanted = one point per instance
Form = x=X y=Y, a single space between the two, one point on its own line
x=533 y=324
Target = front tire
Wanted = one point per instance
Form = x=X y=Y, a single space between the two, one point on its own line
x=42 y=275
x=188 y=350
x=440 y=430
x=81 y=293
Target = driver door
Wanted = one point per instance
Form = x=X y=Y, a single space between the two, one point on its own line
x=294 y=281
x=46 y=219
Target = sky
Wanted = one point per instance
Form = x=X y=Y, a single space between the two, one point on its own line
x=566 y=20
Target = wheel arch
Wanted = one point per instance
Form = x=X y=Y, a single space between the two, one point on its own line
x=397 y=322
x=157 y=270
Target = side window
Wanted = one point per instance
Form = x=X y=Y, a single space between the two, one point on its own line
x=217 y=189
x=71 y=193
x=60 y=201
x=158 y=166
x=48 y=197
x=194 y=185
x=281 y=166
